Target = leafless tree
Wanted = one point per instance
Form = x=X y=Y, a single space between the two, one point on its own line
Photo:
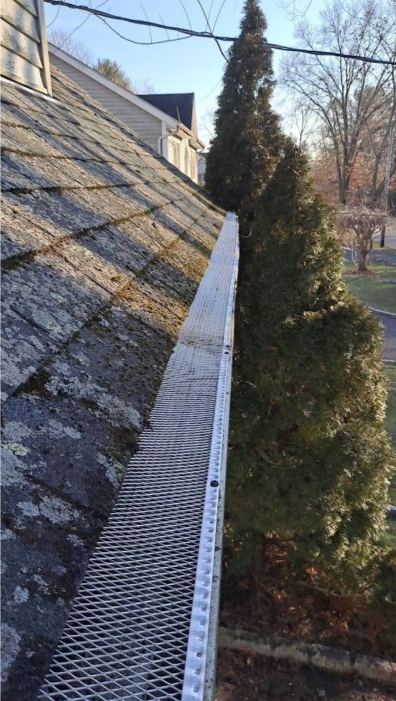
x=207 y=125
x=109 y=68
x=380 y=144
x=301 y=123
x=143 y=87
x=346 y=95
x=295 y=9
x=362 y=224
x=77 y=49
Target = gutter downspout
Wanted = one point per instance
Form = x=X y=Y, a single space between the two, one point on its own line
x=161 y=139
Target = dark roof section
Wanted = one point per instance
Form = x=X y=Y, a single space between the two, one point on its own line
x=177 y=105
x=103 y=248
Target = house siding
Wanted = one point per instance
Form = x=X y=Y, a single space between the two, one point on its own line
x=181 y=155
x=149 y=128
x=24 y=52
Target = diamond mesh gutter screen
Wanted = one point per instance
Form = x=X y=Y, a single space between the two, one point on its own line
x=140 y=624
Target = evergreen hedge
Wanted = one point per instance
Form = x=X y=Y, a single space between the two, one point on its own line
x=247 y=132
x=310 y=459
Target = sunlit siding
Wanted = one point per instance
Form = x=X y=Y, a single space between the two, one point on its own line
x=140 y=121
x=183 y=156
x=24 y=51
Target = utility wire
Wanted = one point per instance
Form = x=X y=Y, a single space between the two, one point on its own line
x=210 y=30
x=55 y=18
x=166 y=32
x=140 y=43
x=208 y=35
x=86 y=18
x=210 y=92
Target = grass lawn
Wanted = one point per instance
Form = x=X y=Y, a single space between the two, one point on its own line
x=377 y=290
x=390 y=535
x=391 y=412
x=391 y=423
x=388 y=247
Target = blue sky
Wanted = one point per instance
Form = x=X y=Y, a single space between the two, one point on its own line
x=190 y=65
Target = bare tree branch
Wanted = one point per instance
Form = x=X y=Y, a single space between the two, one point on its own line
x=210 y=30
x=350 y=97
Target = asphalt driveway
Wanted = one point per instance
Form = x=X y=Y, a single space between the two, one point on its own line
x=389 y=323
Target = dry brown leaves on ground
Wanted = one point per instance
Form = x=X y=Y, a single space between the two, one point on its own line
x=245 y=677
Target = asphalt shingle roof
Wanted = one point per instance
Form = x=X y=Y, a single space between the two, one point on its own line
x=104 y=245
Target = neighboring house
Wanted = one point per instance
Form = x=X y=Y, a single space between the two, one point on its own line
x=183 y=148
x=103 y=249
x=167 y=123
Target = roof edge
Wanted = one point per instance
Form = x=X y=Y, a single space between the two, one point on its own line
x=126 y=94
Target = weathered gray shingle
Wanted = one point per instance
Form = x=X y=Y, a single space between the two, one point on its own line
x=103 y=248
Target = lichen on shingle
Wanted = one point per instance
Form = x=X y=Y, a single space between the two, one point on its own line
x=10 y=647
x=104 y=248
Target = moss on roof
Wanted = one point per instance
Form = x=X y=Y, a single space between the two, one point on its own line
x=104 y=246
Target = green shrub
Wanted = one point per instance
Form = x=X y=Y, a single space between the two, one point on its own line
x=310 y=459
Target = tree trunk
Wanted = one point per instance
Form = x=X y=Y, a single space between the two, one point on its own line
x=342 y=192
x=382 y=240
x=361 y=256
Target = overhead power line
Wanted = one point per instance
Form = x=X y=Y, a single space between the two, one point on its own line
x=141 y=43
x=209 y=35
x=210 y=30
x=86 y=18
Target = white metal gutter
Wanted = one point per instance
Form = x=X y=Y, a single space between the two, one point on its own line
x=143 y=625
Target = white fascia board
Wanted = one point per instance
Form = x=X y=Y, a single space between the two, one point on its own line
x=185 y=129
x=126 y=94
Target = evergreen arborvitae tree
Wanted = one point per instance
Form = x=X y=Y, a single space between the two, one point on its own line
x=113 y=71
x=247 y=133
x=310 y=458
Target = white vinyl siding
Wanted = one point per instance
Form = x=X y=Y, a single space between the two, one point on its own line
x=24 y=50
x=183 y=156
x=148 y=127
x=176 y=154
x=187 y=168
x=190 y=159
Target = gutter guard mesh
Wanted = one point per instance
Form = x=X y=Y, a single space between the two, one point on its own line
x=139 y=625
